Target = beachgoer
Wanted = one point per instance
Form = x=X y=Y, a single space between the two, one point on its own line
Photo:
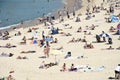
x=10 y=77
x=112 y=29
x=110 y=48
x=46 y=51
x=79 y=29
x=117 y=72
x=104 y=35
x=72 y=68
x=88 y=46
x=63 y=67
x=42 y=65
x=68 y=55
x=110 y=40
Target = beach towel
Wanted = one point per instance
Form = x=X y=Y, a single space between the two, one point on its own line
x=114 y=18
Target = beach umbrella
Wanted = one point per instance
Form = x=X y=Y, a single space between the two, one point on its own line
x=118 y=26
x=55 y=53
x=104 y=35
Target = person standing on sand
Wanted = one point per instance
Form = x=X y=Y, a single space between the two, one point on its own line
x=117 y=72
x=46 y=51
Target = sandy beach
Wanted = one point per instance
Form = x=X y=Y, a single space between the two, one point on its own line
x=24 y=58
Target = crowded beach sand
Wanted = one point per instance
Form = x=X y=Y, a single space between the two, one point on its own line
x=83 y=45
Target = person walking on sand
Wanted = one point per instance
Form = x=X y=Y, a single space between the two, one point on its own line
x=46 y=51
x=117 y=72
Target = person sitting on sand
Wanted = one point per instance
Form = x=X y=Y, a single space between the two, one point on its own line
x=92 y=27
x=55 y=41
x=84 y=39
x=110 y=48
x=10 y=77
x=88 y=46
x=42 y=65
x=72 y=68
x=98 y=39
x=29 y=30
x=67 y=55
x=112 y=29
x=24 y=38
x=8 y=45
x=19 y=57
x=110 y=40
x=79 y=29
x=64 y=68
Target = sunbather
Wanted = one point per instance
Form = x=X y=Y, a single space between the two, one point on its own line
x=28 y=51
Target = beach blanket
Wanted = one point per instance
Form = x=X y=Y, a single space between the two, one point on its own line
x=114 y=18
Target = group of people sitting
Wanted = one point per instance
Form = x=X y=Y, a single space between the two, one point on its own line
x=5 y=35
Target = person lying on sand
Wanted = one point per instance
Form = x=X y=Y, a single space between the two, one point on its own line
x=58 y=48
x=6 y=54
x=65 y=34
x=109 y=48
x=45 y=66
x=28 y=51
x=8 y=45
